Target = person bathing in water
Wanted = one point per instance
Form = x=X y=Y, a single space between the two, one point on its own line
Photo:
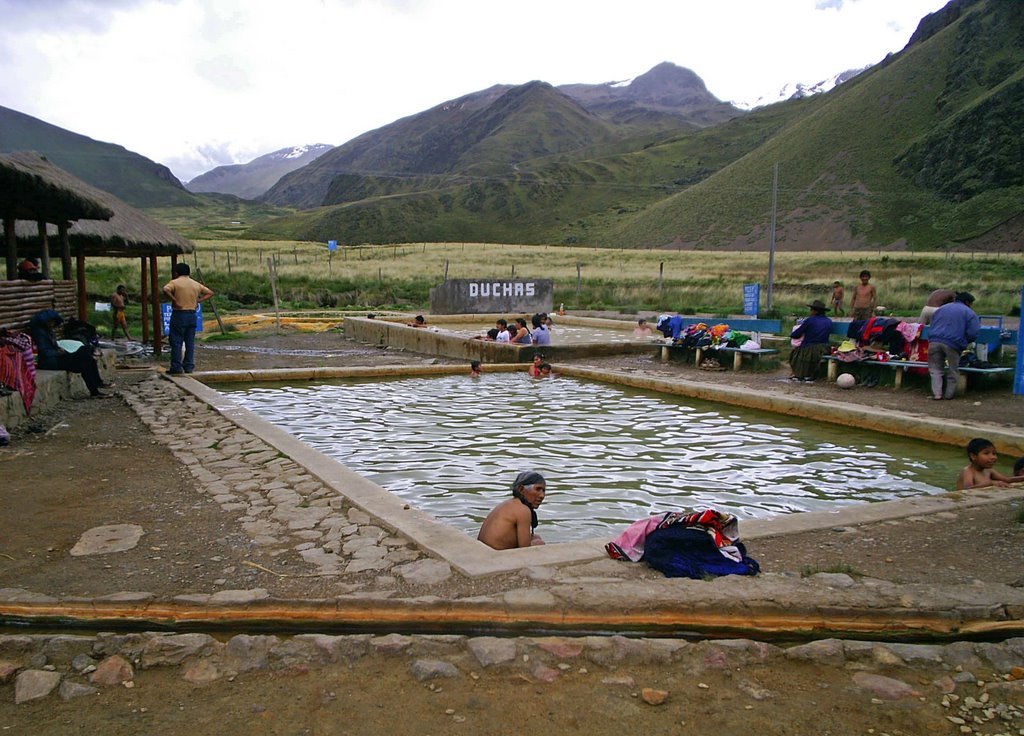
x=981 y=470
x=511 y=524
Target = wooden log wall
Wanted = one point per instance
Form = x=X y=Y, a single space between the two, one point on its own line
x=21 y=300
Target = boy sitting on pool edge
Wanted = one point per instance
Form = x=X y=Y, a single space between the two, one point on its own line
x=510 y=525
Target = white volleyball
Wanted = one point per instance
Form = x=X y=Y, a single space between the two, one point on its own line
x=846 y=380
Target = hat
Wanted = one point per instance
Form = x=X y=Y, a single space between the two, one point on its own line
x=28 y=265
x=847 y=346
x=819 y=305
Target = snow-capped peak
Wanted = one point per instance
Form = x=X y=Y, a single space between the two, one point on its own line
x=799 y=90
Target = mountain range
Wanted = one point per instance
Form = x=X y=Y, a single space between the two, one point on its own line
x=252 y=179
x=920 y=151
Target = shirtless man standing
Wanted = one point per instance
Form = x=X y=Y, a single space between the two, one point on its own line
x=510 y=525
x=865 y=298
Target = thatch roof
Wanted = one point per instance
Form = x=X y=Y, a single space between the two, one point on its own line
x=33 y=188
x=128 y=232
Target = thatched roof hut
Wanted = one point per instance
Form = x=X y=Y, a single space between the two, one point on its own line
x=126 y=232
x=39 y=200
x=32 y=188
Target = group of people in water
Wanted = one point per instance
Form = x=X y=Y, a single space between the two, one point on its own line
x=515 y=331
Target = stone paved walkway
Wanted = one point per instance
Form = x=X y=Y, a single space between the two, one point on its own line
x=275 y=500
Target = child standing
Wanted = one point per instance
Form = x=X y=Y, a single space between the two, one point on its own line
x=837 y=298
x=980 y=472
x=118 y=302
x=865 y=298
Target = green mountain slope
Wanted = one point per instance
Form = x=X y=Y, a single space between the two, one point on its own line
x=135 y=179
x=492 y=132
x=922 y=149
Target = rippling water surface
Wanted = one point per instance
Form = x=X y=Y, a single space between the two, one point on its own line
x=452 y=446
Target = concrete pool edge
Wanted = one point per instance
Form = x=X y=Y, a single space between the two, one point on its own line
x=475 y=559
x=462 y=552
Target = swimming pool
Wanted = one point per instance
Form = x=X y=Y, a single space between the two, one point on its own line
x=451 y=446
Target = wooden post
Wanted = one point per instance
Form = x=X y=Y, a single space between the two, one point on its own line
x=229 y=263
x=273 y=290
x=45 y=241
x=144 y=299
x=12 y=248
x=446 y=269
x=295 y=252
x=65 y=251
x=83 y=297
x=579 y=280
x=158 y=317
x=661 y=275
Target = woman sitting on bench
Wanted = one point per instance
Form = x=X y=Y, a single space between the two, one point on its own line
x=813 y=334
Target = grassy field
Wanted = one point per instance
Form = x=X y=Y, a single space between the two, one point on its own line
x=400 y=276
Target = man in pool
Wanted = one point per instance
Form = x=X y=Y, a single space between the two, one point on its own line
x=510 y=525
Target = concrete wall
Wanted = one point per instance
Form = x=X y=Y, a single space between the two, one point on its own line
x=52 y=387
x=480 y=296
x=419 y=340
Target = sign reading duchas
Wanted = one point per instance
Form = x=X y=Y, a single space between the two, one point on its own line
x=492 y=296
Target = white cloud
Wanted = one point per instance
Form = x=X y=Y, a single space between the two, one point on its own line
x=178 y=80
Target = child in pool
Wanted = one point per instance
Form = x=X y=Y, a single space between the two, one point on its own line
x=474 y=369
x=980 y=473
x=538 y=360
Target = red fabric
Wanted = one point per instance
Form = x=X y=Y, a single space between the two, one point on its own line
x=18 y=367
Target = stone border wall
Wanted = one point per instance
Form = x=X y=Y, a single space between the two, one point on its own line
x=52 y=387
x=386 y=333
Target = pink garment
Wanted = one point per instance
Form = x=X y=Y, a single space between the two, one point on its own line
x=630 y=544
x=909 y=330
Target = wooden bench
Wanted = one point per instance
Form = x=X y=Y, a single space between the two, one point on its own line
x=700 y=353
x=900 y=366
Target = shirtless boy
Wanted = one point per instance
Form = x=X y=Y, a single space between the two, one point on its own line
x=865 y=298
x=118 y=302
x=980 y=473
x=510 y=525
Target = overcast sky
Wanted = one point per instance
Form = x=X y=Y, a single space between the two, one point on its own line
x=198 y=83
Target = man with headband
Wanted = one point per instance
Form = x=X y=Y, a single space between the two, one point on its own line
x=511 y=523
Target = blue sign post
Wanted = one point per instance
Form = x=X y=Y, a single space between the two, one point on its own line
x=751 y=299
x=332 y=246
x=166 y=313
x=1018 y=375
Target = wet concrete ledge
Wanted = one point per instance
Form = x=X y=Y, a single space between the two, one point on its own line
x=474 y=559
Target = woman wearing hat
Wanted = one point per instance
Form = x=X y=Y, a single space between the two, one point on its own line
x=813 y=331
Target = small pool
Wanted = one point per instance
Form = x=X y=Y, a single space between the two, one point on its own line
x=560 y=334
x=451 y=446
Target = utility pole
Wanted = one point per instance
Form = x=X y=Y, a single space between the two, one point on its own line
x=771 y=237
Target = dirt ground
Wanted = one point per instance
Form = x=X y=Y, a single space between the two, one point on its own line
x=378 y=696
x=101 y=465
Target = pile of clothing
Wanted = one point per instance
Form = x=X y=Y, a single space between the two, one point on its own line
x=882 y=339
x=692 y=545
x=700 y=335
